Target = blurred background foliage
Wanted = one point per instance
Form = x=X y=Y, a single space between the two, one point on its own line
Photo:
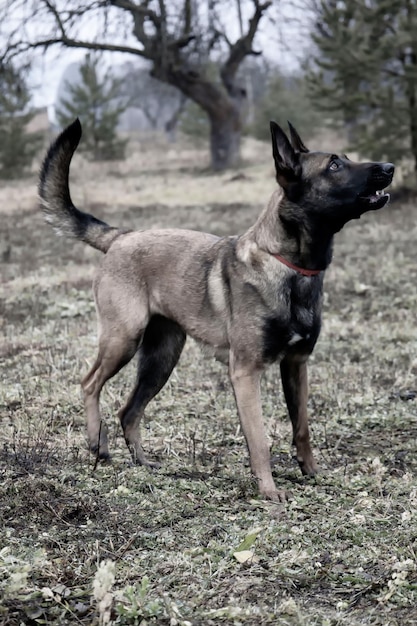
x=215 y=72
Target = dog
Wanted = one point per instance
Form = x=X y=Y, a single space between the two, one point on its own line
x=255 y=299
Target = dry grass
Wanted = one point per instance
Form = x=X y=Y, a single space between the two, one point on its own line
x=122 y=545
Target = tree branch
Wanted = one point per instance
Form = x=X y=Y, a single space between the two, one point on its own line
x=52 y=9
x=187 y=17
x=19 y=46
x=139 y=12
x=155 y=46
x=73 y=43
x=242 y=48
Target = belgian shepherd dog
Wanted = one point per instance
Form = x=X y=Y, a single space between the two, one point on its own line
x=255 y=299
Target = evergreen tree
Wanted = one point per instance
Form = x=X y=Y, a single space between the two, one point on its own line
x=365 y=73
x=17 y=146
x=98 y=104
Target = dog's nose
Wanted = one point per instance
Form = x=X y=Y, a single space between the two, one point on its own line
x=388 y=168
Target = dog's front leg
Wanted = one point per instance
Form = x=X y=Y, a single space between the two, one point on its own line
x=295 y=384
x=246 y=379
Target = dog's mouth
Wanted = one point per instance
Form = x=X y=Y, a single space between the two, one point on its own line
x=374 y=199
x=374 y=195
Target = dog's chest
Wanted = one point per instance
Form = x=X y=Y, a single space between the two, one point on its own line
x=295 y=324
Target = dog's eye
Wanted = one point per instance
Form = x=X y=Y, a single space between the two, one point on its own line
x=334 y=165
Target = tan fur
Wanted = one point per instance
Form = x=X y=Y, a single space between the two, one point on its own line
x=230 y=294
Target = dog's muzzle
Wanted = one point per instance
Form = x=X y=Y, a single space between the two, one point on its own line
x=380 y=176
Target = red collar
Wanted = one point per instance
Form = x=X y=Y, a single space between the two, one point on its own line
x=300 y=270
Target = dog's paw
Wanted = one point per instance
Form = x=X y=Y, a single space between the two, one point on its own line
x=276 y=495
x=152 y=465
x=308 y=466
x=103 y=455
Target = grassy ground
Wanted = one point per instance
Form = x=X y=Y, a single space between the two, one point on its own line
x=118 y=544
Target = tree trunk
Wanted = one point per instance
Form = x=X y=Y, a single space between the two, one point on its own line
x=409 y=68
x=223 y=104
x=412 y=104
x=224 y=111
x=225 y=135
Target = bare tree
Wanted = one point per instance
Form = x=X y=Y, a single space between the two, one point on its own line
x=178 y=38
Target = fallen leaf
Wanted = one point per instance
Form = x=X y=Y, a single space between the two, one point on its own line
x=245 y=556
x=249 y=540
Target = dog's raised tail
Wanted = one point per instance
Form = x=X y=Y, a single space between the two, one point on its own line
x=56 y=203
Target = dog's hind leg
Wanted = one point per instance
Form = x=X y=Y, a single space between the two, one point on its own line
x=159 y=352
x=120 y=334
x=295 y=385
x=115 y=351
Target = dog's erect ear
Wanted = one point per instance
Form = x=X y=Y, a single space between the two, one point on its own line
x=287 y=164
x=296 y=140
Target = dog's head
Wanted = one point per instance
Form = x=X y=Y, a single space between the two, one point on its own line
x=325 y=186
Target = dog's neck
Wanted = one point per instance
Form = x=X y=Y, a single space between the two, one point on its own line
x=307 y=244
x=304 y=243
